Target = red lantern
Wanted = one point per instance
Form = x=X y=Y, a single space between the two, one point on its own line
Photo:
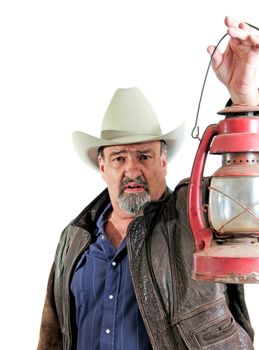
x=226 y=230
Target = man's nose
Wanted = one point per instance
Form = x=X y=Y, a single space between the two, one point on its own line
x=133 y=168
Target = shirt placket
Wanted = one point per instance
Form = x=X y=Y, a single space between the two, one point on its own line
x=112 y=284
x=111 y=294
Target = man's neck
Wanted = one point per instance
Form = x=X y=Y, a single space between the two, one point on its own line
x=116 y=227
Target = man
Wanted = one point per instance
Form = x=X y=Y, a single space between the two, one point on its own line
x=122 y=272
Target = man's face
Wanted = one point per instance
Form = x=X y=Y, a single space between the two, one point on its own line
x=134 y=174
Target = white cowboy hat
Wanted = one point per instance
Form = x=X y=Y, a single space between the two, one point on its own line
x=129 y=119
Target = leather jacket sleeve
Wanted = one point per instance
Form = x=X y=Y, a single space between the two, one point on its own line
x=238 y=308
x=50 y=332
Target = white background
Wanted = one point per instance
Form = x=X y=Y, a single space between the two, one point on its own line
x=60 y=64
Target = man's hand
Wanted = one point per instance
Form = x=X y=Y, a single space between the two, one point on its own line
x=236 y=67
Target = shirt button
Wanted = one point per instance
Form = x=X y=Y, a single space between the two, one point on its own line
x=102 y=237
x=107 y=331
x=114 y=263
x=110 y=297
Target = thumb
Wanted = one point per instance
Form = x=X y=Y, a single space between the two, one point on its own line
x=217 y=56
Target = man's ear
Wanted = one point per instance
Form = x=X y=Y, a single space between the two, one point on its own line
x=101 y=165
x=164 y=162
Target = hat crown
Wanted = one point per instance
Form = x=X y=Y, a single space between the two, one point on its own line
x=129 y=113
x=129 y=119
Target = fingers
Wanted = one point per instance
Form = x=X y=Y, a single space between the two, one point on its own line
x=239 y=33
x=242 y=31
x=239 y=30
x=234 y=24
x=246 y=27
x=254 y=40
x=244 y=39
x=231 y=22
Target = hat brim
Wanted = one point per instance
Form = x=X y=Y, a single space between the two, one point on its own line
x=86 y=146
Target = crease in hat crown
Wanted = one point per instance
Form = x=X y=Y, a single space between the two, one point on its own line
x=129 y=119
x=129 y=113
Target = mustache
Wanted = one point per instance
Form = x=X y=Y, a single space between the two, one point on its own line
x=138 y=180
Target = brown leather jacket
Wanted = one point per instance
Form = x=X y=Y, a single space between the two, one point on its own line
x=179 y=313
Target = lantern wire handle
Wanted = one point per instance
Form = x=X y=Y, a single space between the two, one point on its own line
x=196 y=126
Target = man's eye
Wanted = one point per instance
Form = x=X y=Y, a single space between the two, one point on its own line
x=145 y=157
x=118 y=159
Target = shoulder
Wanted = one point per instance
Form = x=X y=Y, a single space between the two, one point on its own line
x=181 y=190
x=78 y=232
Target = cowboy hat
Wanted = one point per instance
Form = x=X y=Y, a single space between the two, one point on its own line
x=129 y=119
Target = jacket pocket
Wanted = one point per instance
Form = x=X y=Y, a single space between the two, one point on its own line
x=216 y=332
x=212 y=327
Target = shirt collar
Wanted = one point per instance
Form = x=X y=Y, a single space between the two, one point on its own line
x=102 y=220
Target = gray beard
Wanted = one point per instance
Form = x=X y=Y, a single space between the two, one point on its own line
x=133 y=202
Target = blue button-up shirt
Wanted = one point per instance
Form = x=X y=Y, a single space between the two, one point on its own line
x=106 y=313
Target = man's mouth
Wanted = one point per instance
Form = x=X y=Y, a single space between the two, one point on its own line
x=134 y=186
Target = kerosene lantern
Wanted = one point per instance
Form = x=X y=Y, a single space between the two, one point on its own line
x=226 y=229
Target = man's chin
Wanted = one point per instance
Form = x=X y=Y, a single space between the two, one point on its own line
x=132 y=203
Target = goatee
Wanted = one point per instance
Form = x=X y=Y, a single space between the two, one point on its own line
x=133 y=202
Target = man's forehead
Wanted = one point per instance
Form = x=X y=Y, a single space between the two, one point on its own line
x=133 y=146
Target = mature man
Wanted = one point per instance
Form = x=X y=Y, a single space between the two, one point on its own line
x=122 y=272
